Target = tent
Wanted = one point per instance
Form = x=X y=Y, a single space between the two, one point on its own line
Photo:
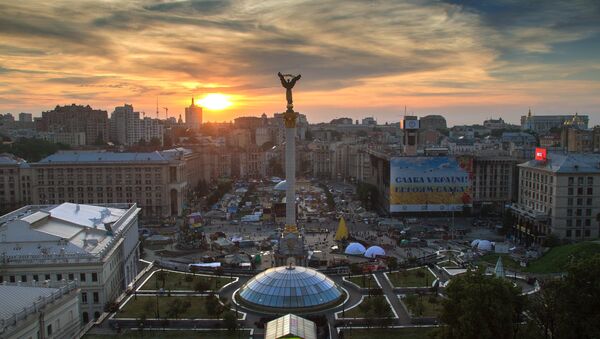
x=374 y=251
x=484 y=245
x=342 y=231
x=355 y=248
x=281 y=186
x=475 y=242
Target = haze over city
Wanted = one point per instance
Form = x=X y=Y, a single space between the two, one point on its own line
x=467 y=60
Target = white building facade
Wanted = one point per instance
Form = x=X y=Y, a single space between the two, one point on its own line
x=96 y=246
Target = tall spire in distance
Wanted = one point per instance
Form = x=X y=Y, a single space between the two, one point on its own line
x=192 y=101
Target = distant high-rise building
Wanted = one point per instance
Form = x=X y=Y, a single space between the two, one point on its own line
x=369 y=121
x=74 y=119
x=410 y=127
x=128 y=129
x=193 y=116
x=25 y=117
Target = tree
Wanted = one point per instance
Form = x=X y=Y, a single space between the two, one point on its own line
x=201 y=285
x=380 y=309
x=155 y=142
x=229 y=320
x=211 y=304
x=480 y=306
x=177 y=307
x=568 y=307
x=392 y=263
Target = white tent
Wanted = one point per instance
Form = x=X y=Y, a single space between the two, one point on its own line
x=484 y=245
x=281 y=186
x=374 y=251
x=355 y=249
x=475 y=242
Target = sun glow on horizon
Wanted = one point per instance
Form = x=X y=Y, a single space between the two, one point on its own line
x=215 y=101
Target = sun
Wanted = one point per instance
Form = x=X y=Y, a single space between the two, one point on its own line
x=215 y=101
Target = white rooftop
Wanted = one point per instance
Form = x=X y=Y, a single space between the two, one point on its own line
x=66 y=229
x=567 y=163
x=291 y=325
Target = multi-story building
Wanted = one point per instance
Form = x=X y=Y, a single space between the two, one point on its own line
x=15 y=182
x=128 y=129
x=433 y=122
x=321 y=159
x=73 y=139
x=193 y=116
x=494 y=181
x=544 y=123
x=577 y=140
x=25 y=117
x=97 y=246
x=32 y=311
x=73 y=119
x=155 y=181
x=493 y=124
x=559 y=196
x=253 y=163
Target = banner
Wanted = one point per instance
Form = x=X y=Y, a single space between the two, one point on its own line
x=420 y=184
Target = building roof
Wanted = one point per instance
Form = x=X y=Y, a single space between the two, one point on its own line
x=291 y=325
x=67 y=230
x=16 y=298
x=103 y=157
x=567 y=163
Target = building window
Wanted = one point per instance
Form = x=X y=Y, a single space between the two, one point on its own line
x=23 y=278
x=569 y=212
x=570 y=191
x=94 y=276
x=578 y=222
x=58 y=277
x=569 y=223
x=568 y=233
x=84 y=297
x=12 y=279
x=82 y=276
x=96 y=298
x=35 y=277
x=588 y=212
x=578 y=233
x=590 y=181
x=96 y=315
x=86 y=317
x=570 y=202
x=587 y=233
x=588 y=222
x=590 y=191
x=49 y=329
x=571 y=180
x=71 y=276
x=47 y=277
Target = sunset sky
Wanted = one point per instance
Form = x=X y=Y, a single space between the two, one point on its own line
x=462 y=59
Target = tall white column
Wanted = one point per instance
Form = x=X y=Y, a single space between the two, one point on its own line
x=290 y=176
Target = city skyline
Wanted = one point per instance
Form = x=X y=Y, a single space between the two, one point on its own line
x=466 y=61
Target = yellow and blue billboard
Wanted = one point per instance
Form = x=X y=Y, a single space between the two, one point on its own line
x=421 y=184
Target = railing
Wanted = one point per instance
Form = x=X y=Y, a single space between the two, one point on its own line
x=37 y=305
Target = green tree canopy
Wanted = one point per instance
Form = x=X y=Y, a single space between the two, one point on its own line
x=480 y=306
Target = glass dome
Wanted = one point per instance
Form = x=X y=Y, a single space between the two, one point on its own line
x=298 y=288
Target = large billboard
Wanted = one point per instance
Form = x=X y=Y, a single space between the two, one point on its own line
x=421 y=184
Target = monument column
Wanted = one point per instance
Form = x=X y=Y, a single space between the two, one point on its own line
x=290 y=168
x=290 y=118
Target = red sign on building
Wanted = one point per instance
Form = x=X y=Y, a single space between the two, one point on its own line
x=540 y=154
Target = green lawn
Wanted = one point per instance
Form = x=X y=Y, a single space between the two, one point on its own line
x=357 y=313
x=429 y=309
x=559 y=257
x=420 y=277
x=389 y=333
x=510 y=264
x=135 y=307
x=176 y=282
x=131 y=334
x=364 y=283
x=554 y=261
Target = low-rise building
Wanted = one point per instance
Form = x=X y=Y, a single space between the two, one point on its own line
x=97 y=246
